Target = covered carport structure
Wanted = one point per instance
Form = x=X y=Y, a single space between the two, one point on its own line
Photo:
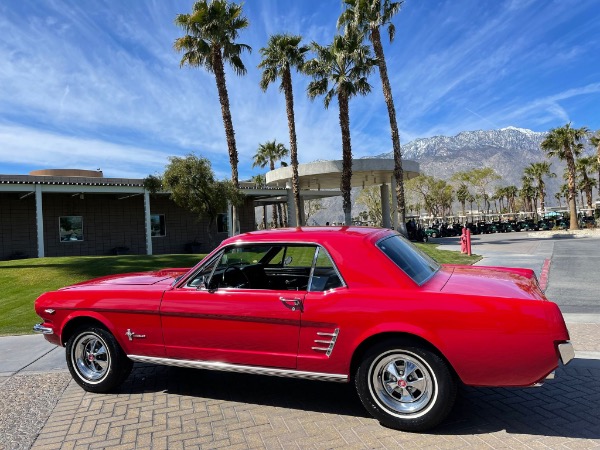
x=325 y=176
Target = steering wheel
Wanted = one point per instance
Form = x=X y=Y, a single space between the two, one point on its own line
x=235 y=278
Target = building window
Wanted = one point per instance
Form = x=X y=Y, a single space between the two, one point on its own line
x=157 y=225
x=71 y=228
x=222 y=223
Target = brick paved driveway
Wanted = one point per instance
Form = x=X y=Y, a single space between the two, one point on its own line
x=164 y=407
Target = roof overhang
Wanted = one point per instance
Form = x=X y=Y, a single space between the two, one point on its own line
x=327 y=174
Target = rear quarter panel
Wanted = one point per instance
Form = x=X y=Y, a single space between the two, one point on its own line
x=488 y=342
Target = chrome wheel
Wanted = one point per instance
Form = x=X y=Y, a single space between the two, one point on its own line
x=402 y=383
x=90 y=357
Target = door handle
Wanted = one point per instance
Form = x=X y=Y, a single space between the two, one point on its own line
x=292 y=303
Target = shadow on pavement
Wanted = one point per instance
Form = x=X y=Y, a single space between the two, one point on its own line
x=564 y=407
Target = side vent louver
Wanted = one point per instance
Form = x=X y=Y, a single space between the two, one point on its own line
x=326 y=341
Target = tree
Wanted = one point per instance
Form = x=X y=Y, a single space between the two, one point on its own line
x=282 y=53
x=210 y=33
x=536 y=172
x=267 y=154
x=193 y=186
x=595 y=141
x=341 y=70
x=462 y=194
x=527 y=194
x=311 y=207
x=437 y=195
x=511 y=193
x=480 y=180
x=370 y=197
x=565 y=144
x=586 y=183
x=369 y=16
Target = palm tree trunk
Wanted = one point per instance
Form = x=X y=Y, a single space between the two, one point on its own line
x=346 y=182
x=289 y=107
x=389 y=101
x=229 y=133
x=572 y=190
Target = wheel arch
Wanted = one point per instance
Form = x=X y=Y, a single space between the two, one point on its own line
x=76 y=322
x=409 y=338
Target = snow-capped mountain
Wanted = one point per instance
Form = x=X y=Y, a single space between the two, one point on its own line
x=508 y=151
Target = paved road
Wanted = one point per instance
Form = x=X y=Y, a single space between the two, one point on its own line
x=162 y=407
x=574 y=279
x=573 y=284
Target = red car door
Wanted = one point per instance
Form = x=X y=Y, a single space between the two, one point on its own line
x=239 y=326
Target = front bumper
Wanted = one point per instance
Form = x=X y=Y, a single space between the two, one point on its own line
x=566 y=352
x=38 y=328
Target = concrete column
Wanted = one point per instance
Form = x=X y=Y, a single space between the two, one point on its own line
x=394 y=203
x=291 y=206
x=385 y=206
x=39 y=220
x=147 y=222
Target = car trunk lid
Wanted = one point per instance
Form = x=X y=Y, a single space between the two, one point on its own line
x=493 y=282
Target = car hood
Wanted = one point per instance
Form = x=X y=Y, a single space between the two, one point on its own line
x=493 y=282
x=159 y=277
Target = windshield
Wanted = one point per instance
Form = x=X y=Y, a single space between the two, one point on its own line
x=409 y=258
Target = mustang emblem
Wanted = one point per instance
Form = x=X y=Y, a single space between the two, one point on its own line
x=130 y=334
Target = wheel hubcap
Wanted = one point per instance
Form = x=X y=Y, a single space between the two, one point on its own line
x=402 y=383
x=90 y=357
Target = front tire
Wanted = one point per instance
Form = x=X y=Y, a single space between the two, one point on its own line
x=405 y=387
x=96 y=361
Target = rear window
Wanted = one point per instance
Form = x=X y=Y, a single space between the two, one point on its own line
x=416 y=264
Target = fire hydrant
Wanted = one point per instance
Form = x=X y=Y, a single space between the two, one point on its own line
x=465 y=241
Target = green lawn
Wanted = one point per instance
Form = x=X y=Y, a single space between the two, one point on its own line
x=22 y=281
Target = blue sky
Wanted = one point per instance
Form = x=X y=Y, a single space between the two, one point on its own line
x=93 y=85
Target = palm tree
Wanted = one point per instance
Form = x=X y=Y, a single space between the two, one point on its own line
x=341 y=70
x=584 y=167
x=527 y=194
x=536 y=172
x=511 y=193
x=267 y=154
x=462 y=194
x=210 y=33
x=595 y=141
x=558 y=197
x=282 y=53
x=369 y=16
x=565 y=144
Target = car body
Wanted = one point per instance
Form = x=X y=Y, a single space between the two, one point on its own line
x=341 y=304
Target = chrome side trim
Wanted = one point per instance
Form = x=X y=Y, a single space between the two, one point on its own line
x=41 y=329
x=238 y=368
x=330 y=343
x=567 y=352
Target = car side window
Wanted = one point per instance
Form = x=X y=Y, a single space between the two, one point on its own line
x=325 y=275
x=202 y=278
x=265 y=266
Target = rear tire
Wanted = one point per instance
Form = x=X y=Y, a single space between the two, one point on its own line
x=96 y=361
x=405 y=386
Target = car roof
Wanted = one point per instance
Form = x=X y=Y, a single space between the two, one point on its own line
x=331 y=234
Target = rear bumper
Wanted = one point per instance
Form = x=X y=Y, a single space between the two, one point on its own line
x=43 y=330
x=566 y=352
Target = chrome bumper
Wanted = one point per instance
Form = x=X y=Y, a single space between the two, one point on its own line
x=44 y=330
x=566 y=351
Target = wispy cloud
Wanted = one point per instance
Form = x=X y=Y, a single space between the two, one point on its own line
x=81 y=84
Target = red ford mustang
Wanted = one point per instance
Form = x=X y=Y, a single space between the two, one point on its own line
x=338 y=304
